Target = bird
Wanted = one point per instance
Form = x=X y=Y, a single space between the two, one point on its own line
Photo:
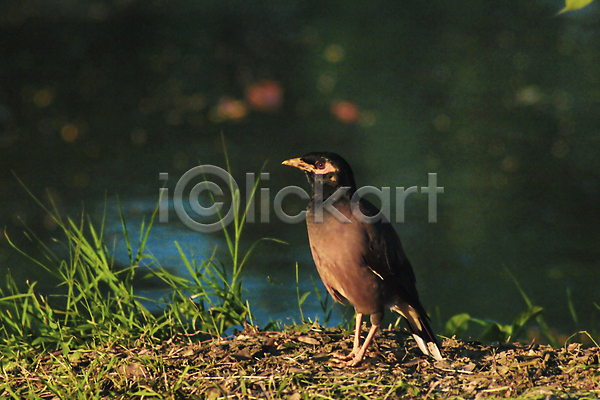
x=358 y=256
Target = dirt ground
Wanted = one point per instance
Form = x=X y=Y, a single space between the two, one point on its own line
x=296 y=364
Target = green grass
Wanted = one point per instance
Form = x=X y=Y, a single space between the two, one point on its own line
x=96 y=299
x=95 y=308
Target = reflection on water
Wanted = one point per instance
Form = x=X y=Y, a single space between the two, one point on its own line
x=501 y=102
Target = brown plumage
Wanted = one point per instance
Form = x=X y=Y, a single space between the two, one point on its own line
x=360 y=262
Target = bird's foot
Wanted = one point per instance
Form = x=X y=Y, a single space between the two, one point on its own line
x=344 y=357
x=346 y=360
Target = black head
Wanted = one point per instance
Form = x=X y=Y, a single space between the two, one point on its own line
x=329 y=168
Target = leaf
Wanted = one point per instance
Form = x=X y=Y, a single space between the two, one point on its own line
x=304 y=296
x=539 y=318
x=65 y=348
x=308 y=340
x=493 y=332
x=571 y=5
x=496 y=332
x=523 y=319
x=457 y=325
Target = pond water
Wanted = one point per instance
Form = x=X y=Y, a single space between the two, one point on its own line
x=501 y=101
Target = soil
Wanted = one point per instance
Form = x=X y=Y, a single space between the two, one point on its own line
x=297 y=363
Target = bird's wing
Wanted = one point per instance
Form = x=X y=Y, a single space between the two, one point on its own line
x=385 y=255
x=386 y=258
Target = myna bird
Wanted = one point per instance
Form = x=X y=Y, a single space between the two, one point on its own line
x=360 y=261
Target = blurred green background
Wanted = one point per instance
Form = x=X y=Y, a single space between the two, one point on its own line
x=499 y=98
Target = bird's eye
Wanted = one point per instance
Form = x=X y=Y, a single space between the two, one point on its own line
x=320 y=165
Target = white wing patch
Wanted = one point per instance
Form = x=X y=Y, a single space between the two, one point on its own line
x=373 y=271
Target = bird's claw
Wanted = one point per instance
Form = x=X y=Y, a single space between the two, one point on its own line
x=343 y=357
x=341 y=360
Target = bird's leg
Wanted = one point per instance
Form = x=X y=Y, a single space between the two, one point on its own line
x=357 y=332
x=357 y=355
x=358 y=352
x=356 y=347
x=361 y=353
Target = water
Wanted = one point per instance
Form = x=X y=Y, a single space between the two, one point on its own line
x=500 y=101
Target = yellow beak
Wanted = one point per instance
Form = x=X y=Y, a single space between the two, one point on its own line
x=298 y=163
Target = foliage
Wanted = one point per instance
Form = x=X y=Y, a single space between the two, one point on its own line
x=217 y=294
x=493 y=331
x=96 y=300
x=324 y=301
x=571 y=5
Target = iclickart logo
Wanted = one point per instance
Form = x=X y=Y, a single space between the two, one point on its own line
x=181 y=196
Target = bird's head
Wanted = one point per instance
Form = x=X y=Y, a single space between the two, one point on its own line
x=329 y=168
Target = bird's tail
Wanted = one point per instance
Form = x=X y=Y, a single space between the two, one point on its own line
x=420 y=330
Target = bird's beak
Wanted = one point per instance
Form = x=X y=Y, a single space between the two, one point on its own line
x=298 y=163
